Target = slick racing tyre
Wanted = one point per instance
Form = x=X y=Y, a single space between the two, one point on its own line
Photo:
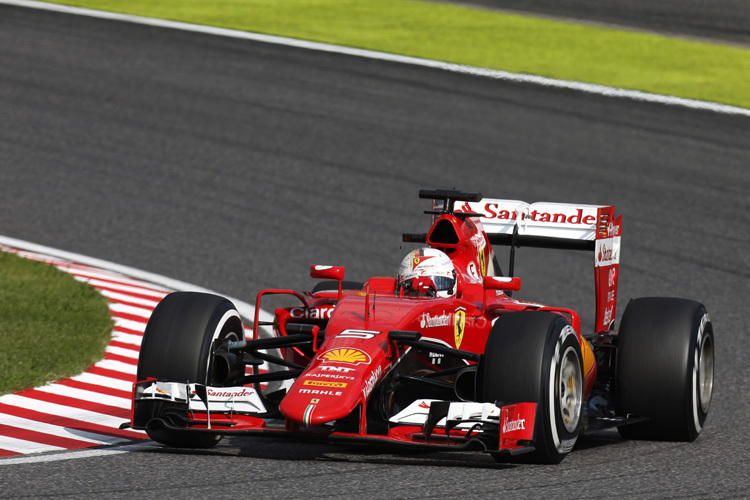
x=536 y=357
x=665 y=368
x=177 y=346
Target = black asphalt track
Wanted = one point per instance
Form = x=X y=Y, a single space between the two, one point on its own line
x=236 y=165
x=721 y=20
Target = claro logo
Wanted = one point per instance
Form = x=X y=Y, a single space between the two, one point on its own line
x=323 y=312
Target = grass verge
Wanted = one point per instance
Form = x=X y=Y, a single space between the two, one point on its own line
x=51 y=326
x=482 y=38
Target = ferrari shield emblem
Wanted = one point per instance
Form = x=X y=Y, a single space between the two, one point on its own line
x=459 y=324
x=418 y=260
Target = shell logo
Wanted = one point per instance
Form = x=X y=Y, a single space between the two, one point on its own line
x=344 y=355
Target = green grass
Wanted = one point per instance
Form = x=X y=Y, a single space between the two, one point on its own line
x=51 y=326
x=481 y=38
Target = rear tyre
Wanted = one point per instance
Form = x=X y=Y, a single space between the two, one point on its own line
x=536 y=357
x=665 y=368
x=177 y=346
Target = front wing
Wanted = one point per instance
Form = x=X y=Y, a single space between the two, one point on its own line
x=446 y=425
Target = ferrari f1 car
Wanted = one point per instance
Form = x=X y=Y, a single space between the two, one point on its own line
x=440 y=356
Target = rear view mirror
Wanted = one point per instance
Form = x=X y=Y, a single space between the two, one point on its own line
x=327 y=272
x=502 y=283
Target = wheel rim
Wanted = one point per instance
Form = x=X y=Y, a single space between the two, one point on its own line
x=221 y=333
x=706 y=373
x=571 y=390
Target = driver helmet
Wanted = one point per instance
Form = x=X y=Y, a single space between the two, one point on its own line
x=429 y=263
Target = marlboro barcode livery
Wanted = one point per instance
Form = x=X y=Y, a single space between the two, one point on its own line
x=441 y=355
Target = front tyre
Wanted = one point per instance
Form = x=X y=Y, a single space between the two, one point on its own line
x=177 y=346
x=665 y=368
x=536 y=357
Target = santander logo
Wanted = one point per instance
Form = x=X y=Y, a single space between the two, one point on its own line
x=514 y=425
x=429 y=321
x=229 y=393
x=607 y=253
x=511 y=211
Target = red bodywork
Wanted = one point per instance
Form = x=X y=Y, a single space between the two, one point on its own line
x=353 y=353
x=356 y=354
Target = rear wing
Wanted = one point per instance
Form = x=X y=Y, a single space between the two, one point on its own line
x=563 y=226
x=542 y=224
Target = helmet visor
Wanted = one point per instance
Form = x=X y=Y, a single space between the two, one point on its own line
x=442 y=283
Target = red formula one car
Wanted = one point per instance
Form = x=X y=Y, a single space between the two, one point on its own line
x=440 y=356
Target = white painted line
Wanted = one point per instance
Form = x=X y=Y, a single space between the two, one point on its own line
x=57 y=430
x=114 y=383
x=123 y=297
x=127 y=338
x=383 y=56
x=55 y=409
x=132 y=310
x=128 y=353
x=94 y=273
x=118 y=366
x=21 y=446
x=130 y=325
x=72 y=455
x=97 y=283
x=84 y=395
x=134 y=323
